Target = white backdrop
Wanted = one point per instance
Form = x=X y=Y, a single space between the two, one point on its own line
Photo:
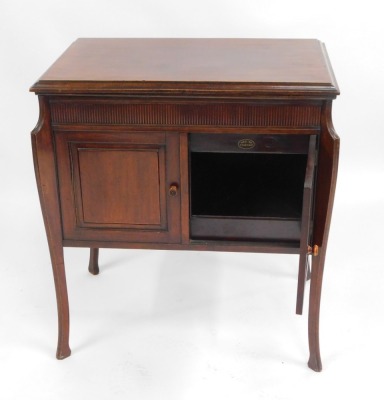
x=231 y=328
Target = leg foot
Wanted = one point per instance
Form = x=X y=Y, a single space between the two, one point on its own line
x=93 y=266
x=63 y=353
x=315 y=362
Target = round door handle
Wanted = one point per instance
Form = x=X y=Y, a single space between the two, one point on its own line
x=173 y=190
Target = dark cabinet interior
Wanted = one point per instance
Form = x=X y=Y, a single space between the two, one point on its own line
x=252 y=193
x=247 y=185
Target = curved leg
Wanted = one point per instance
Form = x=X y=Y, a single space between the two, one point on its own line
x=325 y=192
x=314 y=311
x=93 y=266
x=46 y=178
x=63 y=349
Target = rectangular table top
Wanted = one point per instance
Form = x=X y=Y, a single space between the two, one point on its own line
x=256 y=65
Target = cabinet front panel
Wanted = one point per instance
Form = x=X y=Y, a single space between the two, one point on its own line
x=124 y=182
x=117 y=190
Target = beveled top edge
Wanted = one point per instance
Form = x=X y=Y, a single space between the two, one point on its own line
x=191 y=66
x=185 y=89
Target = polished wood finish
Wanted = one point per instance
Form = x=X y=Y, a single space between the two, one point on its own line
x=192 y=66
x=123 y=121
x=131 y=111
x=114 y=186
x=93 y=266
x=258 y=143
x=325 y=193
x=45 y=169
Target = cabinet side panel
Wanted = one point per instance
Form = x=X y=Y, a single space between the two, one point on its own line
x=45 y=170
x=327 y=175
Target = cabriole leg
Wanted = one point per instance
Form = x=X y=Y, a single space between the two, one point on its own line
x=46 y=178
x=314 y=311
x=325 y=192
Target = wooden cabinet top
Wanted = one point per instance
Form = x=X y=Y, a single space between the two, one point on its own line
x=213 y=67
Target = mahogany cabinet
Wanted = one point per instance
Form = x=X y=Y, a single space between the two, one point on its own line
x=191 y=144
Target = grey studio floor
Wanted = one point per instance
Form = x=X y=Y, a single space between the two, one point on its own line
x=189 y=325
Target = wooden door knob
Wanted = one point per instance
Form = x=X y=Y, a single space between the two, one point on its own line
x=173 y=190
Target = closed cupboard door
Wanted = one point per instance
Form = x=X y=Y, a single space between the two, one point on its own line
x=118 y=186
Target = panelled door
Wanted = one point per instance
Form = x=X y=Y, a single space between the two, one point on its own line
x=119 y=186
